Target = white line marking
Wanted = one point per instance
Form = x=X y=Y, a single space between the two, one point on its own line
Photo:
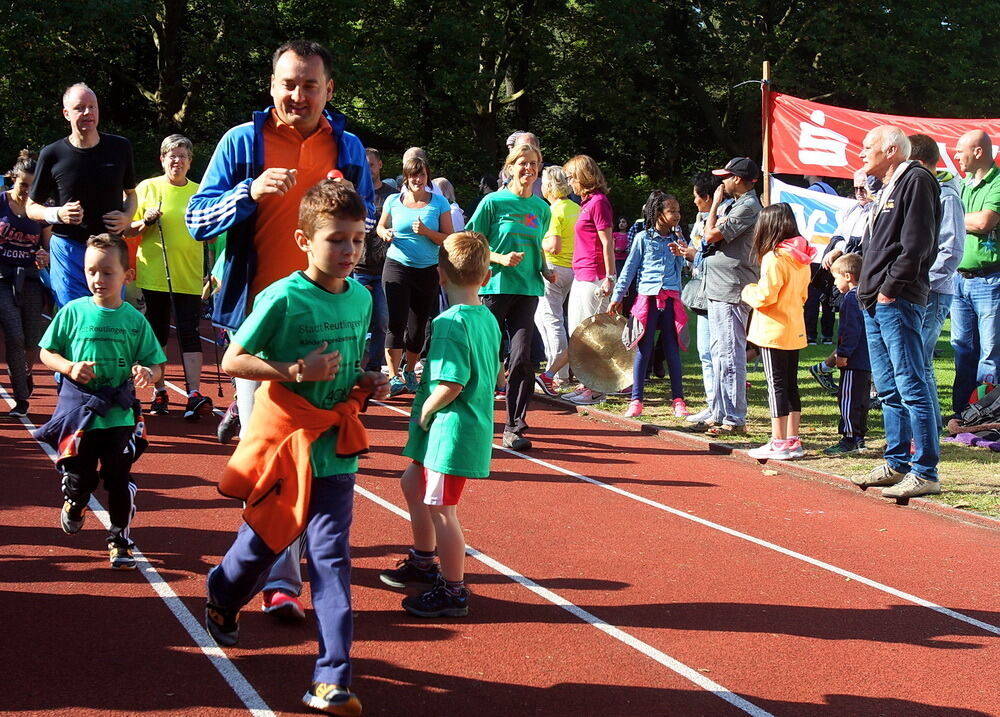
x=994 y=629
x=617 y=633
x=235 y=679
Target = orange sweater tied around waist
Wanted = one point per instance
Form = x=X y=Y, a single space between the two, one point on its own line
x=271 y=470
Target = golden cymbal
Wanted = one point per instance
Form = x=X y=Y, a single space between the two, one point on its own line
x=597 y=355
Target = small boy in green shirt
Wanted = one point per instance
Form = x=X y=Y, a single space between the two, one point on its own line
x=104 y=349
x=451 y=431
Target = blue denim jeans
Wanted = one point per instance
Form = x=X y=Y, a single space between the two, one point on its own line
x=975 y=335
x=728 y=328
x=661 y=320
x=704 y=338
x=899 y=369
x=379 y=322
x=938 y=305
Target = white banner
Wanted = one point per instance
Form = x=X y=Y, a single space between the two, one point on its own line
x=816 y=213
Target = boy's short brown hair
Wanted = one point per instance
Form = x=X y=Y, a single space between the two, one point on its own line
x=329 y=198
x=110 y=242
x=465 y=258
x=848 y=264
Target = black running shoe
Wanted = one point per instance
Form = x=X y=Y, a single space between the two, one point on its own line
x=71 y=517
x=160 y=405
x=20 y=409
x=823 y=378
x=439 y=601
x=332 y=699
x=222 y=624
x=120 y=557
x=197 y=406
x=229 y=426
x=408 y=575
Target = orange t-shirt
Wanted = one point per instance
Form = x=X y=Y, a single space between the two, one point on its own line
x=278 y=217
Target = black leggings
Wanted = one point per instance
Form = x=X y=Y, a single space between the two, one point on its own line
x=187 y=312
x=21 y=323
x=411 y=295
x=516 y=315
x=781 y=368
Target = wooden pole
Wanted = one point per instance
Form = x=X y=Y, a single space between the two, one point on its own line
x=765 y=107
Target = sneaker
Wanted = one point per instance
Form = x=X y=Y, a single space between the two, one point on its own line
x=548 y=385
x=880 y=475
x=222 y=624
x=197 y=406
x=770 y=451
x=407 y=575
x=229 y=426
x=681 y=408
x=120 y=557
x=332 y=699
x=410 y=381
x=586 y=397
x=823 y=378
x=515 y=442
x=282 y=605
x=725 y=429
x=846 y=446
x=439 y=601
x=71 y=517
x=160 y=405
x=634 y=409
x=795 y=449
x=20 y=409
x=702 y=416
x=828 y=342
x=396 y=386
x=624 y=392
x=912 y=486
x=500 y=394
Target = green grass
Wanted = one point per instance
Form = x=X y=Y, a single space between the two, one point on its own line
x=970 y=477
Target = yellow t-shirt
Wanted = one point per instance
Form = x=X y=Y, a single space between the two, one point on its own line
x=185 y=254
x=565 y=212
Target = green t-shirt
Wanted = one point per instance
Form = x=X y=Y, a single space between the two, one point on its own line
x=464 y=349
x=185 y=254
x=981 y=249
x=292 y=317
x=114 y=339
x=513 y=223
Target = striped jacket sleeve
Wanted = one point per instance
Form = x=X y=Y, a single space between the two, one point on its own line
x=223 y=199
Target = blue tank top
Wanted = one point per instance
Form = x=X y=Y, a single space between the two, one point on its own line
x=19 y=236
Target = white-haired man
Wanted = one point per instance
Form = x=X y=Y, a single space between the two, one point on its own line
x=893 y=290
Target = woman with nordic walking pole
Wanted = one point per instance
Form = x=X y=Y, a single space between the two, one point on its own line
x=170 y=269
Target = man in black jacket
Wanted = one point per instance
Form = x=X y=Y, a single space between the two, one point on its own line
x=899 y=251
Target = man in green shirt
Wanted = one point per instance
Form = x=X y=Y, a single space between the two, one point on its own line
x=975 y=323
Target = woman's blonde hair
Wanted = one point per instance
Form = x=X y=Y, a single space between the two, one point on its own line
x=587 y=174
x=518 y=151
x=554 y=183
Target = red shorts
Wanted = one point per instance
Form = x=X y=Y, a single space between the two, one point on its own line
x=440 y=488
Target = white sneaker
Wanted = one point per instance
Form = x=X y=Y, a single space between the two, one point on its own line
x=703 y=416
x=769 y=452
x=586 y=397
x=795 y=450
x=912 y=486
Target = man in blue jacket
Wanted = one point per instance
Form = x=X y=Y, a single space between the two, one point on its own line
x=252 y=188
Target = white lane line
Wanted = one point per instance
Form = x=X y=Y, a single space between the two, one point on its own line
x=233 y=677
x=617 y=633
x=994 y=629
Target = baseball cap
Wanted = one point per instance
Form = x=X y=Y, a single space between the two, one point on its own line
x=742 y=167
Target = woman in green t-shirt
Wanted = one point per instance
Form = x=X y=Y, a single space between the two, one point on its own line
x=514 y=221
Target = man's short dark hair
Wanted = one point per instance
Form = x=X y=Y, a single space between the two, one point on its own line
x=329 y=198
x=305 y=49
x=924 y=149
x=374 y=152
x=110 y=243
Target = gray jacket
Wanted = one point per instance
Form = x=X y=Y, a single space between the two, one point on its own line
x=951 y=235
x=729 y=268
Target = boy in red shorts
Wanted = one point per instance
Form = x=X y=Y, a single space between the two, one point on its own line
x=451 y=431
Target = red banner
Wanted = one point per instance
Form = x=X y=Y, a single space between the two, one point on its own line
x=810 y=138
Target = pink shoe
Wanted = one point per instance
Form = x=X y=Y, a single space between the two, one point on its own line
x=681 y=408
x=634 y=409
x=283 y=606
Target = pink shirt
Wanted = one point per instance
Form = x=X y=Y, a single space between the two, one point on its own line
x=588 y=253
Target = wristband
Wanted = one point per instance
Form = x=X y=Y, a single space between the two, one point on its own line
x=302 y=367
x=52 y=215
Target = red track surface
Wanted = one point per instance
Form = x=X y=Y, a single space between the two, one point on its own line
x=785 y=635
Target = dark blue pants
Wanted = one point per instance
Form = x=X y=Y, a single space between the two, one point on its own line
x=244 y=569
x=662 y=320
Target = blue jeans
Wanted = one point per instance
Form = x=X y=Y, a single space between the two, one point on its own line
x=379 y=323
x=661 y=320
x=899 y=369
x=975 y=335
x=66 y=270
x=938 y=305
x=243 y=571
x=728 y=328
x=704 y=338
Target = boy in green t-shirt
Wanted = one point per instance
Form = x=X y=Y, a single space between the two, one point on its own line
x=451 y=431
x=104 y=348
x=304 y=340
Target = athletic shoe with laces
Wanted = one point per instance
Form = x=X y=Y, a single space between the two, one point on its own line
x=771 y=451
x=410 y=381
x=912 y=486
x=120 y=557
x=634 y=409
x=282 y=605
x=332 y=699
x=197 y=406
x=702 y=416
x=845 y=446
x=229 y=426
x=222 y=624
x=586 y=397
x=439 y=601
x=823 y=378
x=160 y=405
x=681 y=408
x=548 y=385
x=795 y=449
x=396 y=386
x=879 y=475
x=406 y=574
x=20 y=409
x=71 y=517
x=515 y=442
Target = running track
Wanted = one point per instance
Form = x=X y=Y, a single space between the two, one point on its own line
x=613 y=574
